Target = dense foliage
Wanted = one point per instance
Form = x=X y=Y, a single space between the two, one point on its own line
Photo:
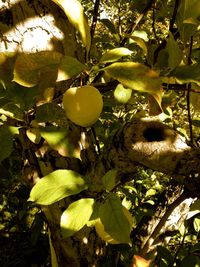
x=144 y=58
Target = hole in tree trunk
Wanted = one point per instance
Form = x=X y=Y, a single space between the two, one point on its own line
x=154 y=134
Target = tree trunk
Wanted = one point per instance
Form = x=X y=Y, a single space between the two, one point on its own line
x=31 y=26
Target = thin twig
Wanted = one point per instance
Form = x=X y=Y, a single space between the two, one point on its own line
x=178 y=250
x=153 y=22
x=95 y=18
x=109 y=86
x=173 y=18
x=188 y=94
x=161 y=223
x=134 y=25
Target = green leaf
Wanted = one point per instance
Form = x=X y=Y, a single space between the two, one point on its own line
x=75 y=13
x=69 y=67
x=195 y=97
x=7 y=60
x=115 y=222
x=76 y=216
x=190 y=261
x=196 y=122
x=58 y=139
x=6 y=139
x=53 y=135
x=115 y=54
x=140 y=42
x=187 y=74
x=165 y=255
x=11 y=110
x=109 y=179
x=188 y=10
x=109 y=25
x=50 y=112
x=29 y=69
x=56 y=186
x=175 y=54
x=121 y=94
x=135 y=76
x=196 y=224
x=150 y=192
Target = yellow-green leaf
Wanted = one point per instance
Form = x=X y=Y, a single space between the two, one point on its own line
x=135 y=76
x=121 y=94
x=115 y=54
x=29 y=69
x=56 y=186
x=75 y=13
x=76 y=216
x=109 y=179
x=69 y=67
x=115 y=222
x=175 y=53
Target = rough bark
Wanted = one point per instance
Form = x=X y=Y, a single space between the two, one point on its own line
x=30 y=26
x=151 y=143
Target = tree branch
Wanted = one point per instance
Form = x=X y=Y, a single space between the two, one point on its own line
x=162 y=222
x=188 y=94
x=95 y=18
x=149 y=142
x=134 y=25
x=173 y=18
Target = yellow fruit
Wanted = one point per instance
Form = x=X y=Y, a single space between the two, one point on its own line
x=107 y=237
x=83 y=105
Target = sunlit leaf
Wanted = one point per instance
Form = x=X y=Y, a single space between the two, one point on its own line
x=194 y=208
x=109 y=179
x=29 y=69
x=75 y=13
x=196 y=224
x=33 y=135
x=58 y=140
x=12 y=110
x=69 y=67
x=121 y=94
x=115 y=222
x=115 y=54
x=155 y=103
x=135 y=76
x=140 y=42
x=141 y=34
x=53 y=135
x=56 y=186
x=76 y=216
x=150 y=192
